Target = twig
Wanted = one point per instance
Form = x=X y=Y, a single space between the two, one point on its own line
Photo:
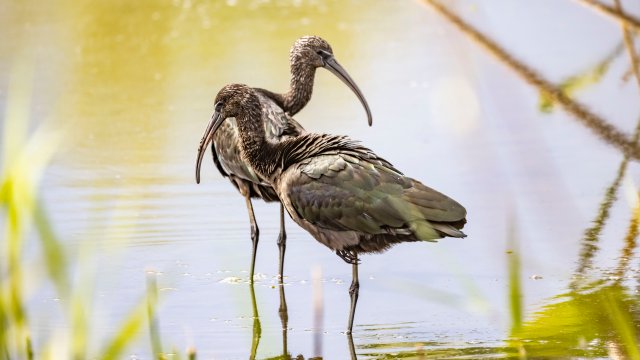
x=619 y=15
x=595 y=123
x=628 y=41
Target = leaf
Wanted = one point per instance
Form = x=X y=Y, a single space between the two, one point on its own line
x=128 y=332
x=573 y=84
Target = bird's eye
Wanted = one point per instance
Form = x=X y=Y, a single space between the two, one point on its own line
x=324 y=55
x=218 y=106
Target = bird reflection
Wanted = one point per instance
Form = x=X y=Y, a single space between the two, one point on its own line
x=257 y=327
x=284 y=319
x=352 y=348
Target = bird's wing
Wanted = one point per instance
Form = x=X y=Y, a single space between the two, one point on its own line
x=341 y=192
x=224 y=138
x=277 y=122
x=227 y=154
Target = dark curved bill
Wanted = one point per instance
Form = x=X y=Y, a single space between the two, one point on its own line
x=331 y=64
x=214 y=124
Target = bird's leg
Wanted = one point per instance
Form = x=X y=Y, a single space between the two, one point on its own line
x=255 y=234
x=282 y=244
x=353 y=292
x=284 y=318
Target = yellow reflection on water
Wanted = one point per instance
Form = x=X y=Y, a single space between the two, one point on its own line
x=133 y=81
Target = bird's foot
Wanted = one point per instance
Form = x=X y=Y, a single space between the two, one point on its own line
x=350 y=257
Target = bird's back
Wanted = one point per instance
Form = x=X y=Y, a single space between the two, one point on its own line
x=350 y=199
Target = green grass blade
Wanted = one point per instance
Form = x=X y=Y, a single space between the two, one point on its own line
x=515 y=286
x=128 y=332
x=152 y=301
x=53 y=251
x=575 y=83
x=622 y=323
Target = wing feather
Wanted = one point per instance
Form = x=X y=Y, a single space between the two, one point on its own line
x=337 y=193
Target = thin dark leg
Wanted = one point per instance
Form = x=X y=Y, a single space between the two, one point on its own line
x=353 y=291
x=282 y=243
x=255 y=234
x=352 y=347
x=284 y=318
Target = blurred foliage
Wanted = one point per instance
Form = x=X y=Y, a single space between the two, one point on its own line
x=571 y=85
x=24 y=161
x=591 y=322
x=515 y=286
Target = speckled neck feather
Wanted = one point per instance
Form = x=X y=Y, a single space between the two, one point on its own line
x=301 y=87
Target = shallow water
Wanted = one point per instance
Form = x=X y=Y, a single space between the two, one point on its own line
x=131 y=86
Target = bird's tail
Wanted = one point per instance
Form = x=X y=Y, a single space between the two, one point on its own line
x=448 y=230
x=429 y=231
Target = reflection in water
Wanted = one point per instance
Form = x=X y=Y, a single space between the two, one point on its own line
x=284 y=318
x=630 y=244
x=592 y=234
x=352 y=348
x=598 y=320
x=257 y=327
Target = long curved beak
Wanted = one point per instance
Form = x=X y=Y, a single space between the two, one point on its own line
x=214 y=124
x=331 y=64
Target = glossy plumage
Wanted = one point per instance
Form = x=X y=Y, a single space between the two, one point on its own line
x=227 y=155
x=342 y=193
x=307 y=54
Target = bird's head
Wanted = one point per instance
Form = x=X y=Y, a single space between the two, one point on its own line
x=313 y=52
x=231 y=98
x=231 y=101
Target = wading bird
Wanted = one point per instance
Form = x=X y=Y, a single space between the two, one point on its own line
x=307 y=54
x=347 y=197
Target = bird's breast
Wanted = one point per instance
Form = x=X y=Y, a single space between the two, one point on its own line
x=226 y=144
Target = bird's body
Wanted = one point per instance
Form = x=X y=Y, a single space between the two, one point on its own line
x=347 y=197
x=353 y=201
x=307 y=54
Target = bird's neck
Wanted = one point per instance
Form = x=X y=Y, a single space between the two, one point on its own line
x=260 y=153
x=301 y=88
